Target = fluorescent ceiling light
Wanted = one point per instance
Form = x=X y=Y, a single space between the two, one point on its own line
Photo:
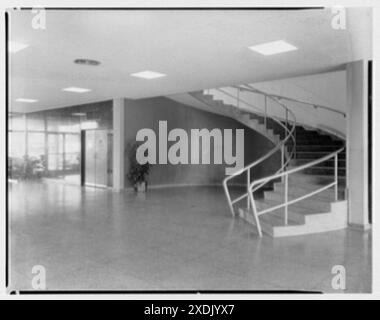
x=78 y=114
x=76 y=89
x=26 y=100
x=16 y=46
x=89 y=125
x=148 y=74
x=273 y=47
x=69 y=128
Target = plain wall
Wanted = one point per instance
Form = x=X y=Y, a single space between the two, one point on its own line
x=146 y=113
x=327 y=89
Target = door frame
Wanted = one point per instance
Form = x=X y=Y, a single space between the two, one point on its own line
x=83 y=159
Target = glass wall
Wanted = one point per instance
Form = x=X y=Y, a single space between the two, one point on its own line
x=48 y=143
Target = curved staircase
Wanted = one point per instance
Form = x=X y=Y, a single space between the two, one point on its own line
x=307 y=193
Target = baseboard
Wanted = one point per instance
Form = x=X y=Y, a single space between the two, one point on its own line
x=189 y=185
x=182 y=185
x=360 y=227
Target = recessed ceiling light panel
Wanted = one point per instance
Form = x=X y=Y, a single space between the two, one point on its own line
x=25 y=100
x=14 y=46
x=147 y=74
x=76 y=89
x=273 y=47
x=87 y=62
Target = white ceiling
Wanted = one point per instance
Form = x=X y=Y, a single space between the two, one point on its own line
x=196 y=49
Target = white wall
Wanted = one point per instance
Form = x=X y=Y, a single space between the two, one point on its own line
x=327 y=89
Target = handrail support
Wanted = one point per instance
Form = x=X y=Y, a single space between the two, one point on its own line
x=282 y=158
x=286 y=156
x=336 y=175
x=238 y=98
x=266 y=113
x=248 y=185
x=286 y=197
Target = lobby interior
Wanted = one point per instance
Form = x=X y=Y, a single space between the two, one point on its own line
x=82 y=87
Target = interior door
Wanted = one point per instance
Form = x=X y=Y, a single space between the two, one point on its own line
x=90 y=165
x=97 y=151
x=101 y=151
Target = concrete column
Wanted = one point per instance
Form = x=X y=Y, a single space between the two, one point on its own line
x=357 y=143
x=118 y=144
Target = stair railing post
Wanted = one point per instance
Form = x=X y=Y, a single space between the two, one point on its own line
x=238 y=97
x=255 y=215
x=229 y=199
x=266 y=113
x=287 y=122
x=248 y=185
x=295 y=140
x=336 y=175
x=286 y=198
x=282 y=159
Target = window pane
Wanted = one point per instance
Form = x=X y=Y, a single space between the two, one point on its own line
x=16 y=122
x=55 y=162
x=72 y=162
x=16 y=144
x=55 y=143
x=72 y=143
x=53 y=124
x=35 y=123
x=71 y=127
x=63 y=124
x=36 y=144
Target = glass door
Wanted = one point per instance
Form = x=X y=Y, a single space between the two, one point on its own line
x=98 y=151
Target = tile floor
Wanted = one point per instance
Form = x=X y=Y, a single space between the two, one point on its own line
x=167 y=239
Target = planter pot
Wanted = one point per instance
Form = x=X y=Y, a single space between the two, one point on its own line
x=141 y=186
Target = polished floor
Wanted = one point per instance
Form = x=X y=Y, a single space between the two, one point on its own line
x=167 y=239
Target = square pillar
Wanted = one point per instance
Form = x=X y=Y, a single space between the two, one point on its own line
x=118 y=111
x=357 y=143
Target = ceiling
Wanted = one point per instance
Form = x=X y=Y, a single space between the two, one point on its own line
x=196 y=49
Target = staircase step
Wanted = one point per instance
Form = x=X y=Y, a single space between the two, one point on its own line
x=293 y=216
x=317 y=154
x=315 y=176
x=273 y=224
x=295 y=191
x=313 y=148
x=304 y=184
x=318 y=205
x=328 y=163
x=270 y=220
x=328 y=171
x=299 y=208
x=336 y=219
x=319 y=141
x=257 y=117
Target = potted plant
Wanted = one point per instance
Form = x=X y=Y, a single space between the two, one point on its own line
x=32 y=167
x=137 y=172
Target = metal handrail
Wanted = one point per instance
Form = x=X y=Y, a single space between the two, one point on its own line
x=280 y=97
x=272 y=151
x=258 y=110
x=282 y=172
x=285 y=175
x=300 y=168
x=280 y=146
